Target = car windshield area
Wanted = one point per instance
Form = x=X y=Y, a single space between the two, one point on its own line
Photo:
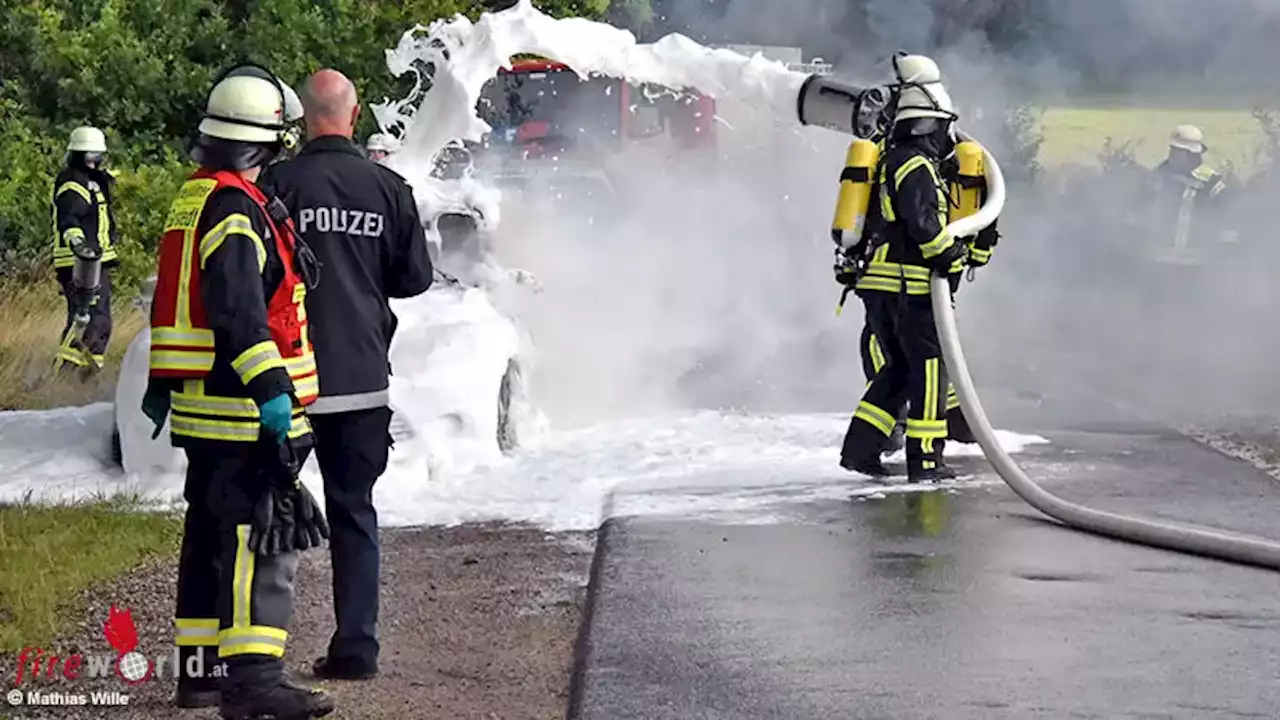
x=552 y=105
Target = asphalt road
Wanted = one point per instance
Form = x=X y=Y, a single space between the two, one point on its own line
x=951 y=605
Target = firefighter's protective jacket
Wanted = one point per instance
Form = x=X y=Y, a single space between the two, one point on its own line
x=228 y=319
x=912 y=238
x=82 y=211
x=1186 y=204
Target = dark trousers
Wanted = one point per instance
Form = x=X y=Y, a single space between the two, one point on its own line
x=97 y=334
x=352 y=449
x=232 y=605
x=873 y=359
x=913 y=373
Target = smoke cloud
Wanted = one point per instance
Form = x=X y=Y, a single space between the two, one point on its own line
x=709 y=284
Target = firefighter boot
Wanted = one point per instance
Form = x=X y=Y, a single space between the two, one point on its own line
x=197 y=684
x=861 y=450
x=258 y=688
x=929 y=468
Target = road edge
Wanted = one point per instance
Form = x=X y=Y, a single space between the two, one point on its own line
x=582 y=647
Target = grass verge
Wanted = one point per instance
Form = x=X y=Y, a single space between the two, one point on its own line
x=31 y=319
x=52 y=554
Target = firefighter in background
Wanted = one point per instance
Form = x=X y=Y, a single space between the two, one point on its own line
x=231 y=361
x=966 y=192
x=910 y=243
x=1189 y=199
x=84 y=250
x=379 y=146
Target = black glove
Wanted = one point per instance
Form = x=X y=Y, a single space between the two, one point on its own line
x=943 y=262
x=286 y=517
x=311 y=528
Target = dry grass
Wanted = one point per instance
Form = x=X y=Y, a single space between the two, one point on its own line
x=31 y=319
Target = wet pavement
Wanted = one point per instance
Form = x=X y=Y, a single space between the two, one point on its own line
x=951 y=605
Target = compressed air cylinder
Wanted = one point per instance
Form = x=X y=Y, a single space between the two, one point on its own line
x=966 y=192
x=855 y=192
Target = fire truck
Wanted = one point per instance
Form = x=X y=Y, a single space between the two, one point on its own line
x=551 y=127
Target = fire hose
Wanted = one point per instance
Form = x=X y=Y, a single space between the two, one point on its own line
x=1207 y=542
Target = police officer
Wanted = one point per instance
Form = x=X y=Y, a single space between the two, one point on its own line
x=84 y=249
x=361 y=220
x=912 y=245
x=230 y=360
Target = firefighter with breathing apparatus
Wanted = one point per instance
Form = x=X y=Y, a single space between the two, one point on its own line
x=890 y=252
x=231 y=361
x=857 y=221
x=84 y=250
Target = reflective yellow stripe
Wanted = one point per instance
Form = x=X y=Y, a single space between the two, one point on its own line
x=892 y=285
x=234 y=224
x=104 y=226
x=926 y=429
x=73 y=356
x=256 y=360
x=72 y=233
x=931 y=389
x=242 y=581
x=307 y=386
x=186 y=337
x=212 y=405
x=73 y=186
x=910 y=166
x=201 y=429
x=897 y=270
x=190 y=632
x=229 y=430
x=938 y=244
x=188 y=360
x=877 y=355
x=252 y=640
x=980 y=255
x=876 y=417
x=184 y=215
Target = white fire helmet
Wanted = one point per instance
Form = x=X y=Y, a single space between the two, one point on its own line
x=923 y=95
x=87 y=139
x=246 y=108
x=1189 y=138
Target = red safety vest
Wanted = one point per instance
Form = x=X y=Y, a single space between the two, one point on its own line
x=182 y=344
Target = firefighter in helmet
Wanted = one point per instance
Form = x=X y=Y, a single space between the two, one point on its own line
x=379 y=146
x=84 y=249
x=909 y=245
x=1189 y=198
x=232 y=365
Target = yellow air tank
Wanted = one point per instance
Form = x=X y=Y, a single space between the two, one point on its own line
x=855 y=192
x=966 y=191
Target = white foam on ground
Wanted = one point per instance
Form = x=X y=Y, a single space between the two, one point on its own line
x=712 y=465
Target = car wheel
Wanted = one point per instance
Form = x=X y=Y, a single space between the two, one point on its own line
x=507 y=438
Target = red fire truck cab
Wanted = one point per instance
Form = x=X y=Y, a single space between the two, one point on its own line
x=543 y=108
